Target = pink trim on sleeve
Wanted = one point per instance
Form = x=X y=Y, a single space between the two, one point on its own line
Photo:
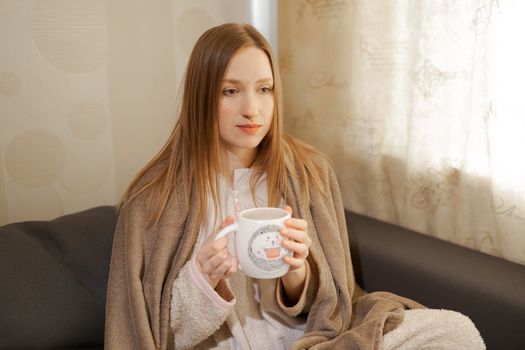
x=203 y=285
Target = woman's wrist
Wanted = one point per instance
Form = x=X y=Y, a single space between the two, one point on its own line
x=293 y=283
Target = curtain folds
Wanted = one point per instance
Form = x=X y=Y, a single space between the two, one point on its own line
x=419 y=104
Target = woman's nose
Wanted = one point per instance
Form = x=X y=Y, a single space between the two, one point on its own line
x=249 y=106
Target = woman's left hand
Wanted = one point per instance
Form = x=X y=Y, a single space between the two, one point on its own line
x=296 y=240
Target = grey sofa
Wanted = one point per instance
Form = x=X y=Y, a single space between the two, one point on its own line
x=441 y=275
x=53 y=277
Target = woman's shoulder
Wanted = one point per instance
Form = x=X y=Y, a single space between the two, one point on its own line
x=140 y=187
x=152 y=171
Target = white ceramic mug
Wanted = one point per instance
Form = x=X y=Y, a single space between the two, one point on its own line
x=258 y=242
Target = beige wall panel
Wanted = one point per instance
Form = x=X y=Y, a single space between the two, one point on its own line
x=88 y=94
x=141 y=82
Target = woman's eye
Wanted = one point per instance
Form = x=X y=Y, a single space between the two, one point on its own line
x=266 y=89
x=230 y=92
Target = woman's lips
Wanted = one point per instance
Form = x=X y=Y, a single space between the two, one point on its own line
x=249 y=128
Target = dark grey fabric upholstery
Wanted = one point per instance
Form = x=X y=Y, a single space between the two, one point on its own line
x=53 y=281
x=491 y=291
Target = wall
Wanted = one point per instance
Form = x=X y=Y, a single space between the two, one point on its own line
x=88 y=92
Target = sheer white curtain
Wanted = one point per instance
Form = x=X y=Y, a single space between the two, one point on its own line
x=420 y=104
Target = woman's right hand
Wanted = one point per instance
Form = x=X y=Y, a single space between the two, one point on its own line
x=214 y=260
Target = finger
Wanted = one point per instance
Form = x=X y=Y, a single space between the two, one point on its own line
x=234 y=267
x=296 y=235
x=296 y=223
x=299 y=250
x=223 y=268
x=294 y=263
x=211 y=263
x=226 y=222
x=228 y=268
x=212 y=247
x=288 y=209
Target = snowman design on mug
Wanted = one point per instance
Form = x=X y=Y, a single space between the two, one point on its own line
x=264 y=248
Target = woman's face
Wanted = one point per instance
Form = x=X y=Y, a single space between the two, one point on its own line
x=246 y=106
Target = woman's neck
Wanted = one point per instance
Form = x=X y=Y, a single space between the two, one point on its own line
x=237 y=160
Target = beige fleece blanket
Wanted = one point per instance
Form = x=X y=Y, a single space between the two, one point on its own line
x=145 y=261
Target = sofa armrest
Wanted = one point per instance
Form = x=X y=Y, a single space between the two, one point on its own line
x=442 y=275
x=53 y=277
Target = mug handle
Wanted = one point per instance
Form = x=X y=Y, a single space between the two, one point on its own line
x=227 y=230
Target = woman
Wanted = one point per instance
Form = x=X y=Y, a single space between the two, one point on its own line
x=172 y=285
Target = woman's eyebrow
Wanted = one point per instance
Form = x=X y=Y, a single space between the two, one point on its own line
x=237 y=81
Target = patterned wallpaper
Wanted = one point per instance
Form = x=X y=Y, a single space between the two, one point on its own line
x=88 y=92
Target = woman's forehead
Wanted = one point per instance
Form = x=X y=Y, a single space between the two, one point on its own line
x=250 y=64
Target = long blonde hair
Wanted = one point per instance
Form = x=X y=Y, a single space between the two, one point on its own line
x=191 y=156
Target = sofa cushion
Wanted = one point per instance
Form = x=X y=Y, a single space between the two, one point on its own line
x=53 y=280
